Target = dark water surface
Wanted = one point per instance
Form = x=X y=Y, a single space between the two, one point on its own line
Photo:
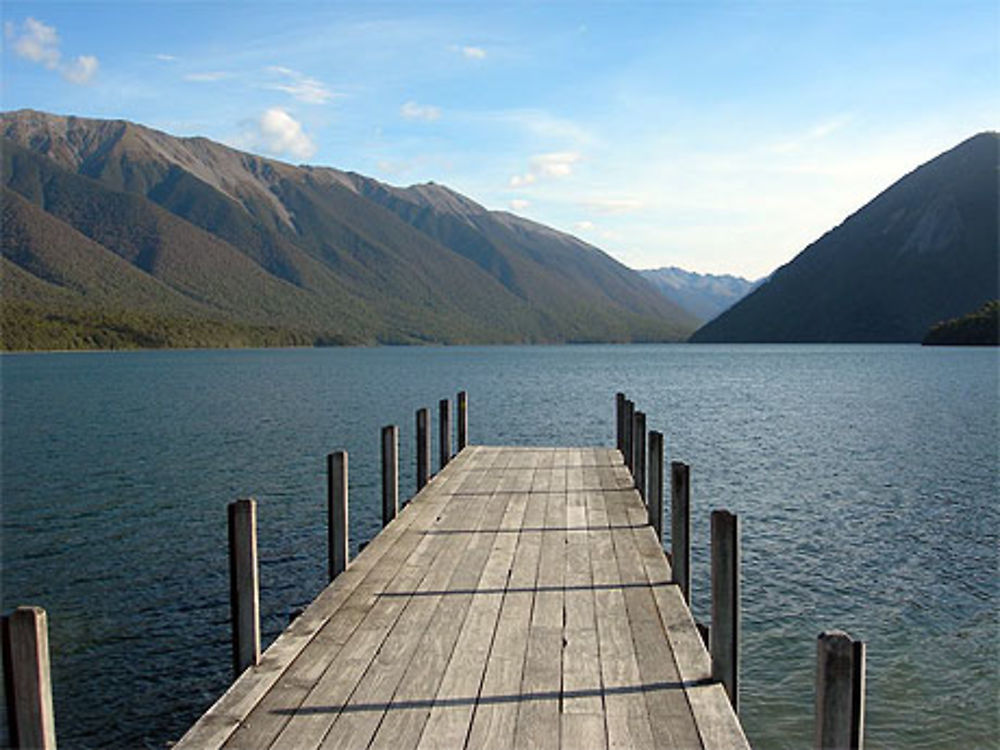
x=866 y=479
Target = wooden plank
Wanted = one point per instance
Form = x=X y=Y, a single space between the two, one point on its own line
x=669 y=713
x=582 y=720
x=449 y=720
x=361 y=716
x=538 y=723
x=495 y=717
x=626 y=718
x=225 y=715
x=27 y=679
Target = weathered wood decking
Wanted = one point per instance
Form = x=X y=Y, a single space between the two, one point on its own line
x=520 y=600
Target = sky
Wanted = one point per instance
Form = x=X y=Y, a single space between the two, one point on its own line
x=720 y=137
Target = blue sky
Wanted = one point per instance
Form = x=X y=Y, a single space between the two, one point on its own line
x=719 y=137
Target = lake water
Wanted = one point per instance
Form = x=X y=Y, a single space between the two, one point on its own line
x=866 y=479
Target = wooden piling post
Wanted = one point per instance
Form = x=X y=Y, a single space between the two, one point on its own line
x=840 y=692
x=337 y=512
x=619 y=423
x=444 y=432
x=725 y=630
x=244 y=584
x=654 y=502
x=462 y=419
x=423 y=448
x=639 y=447
x=627 y=427
x=390 y=473
x=27 y=680
x=680 y=527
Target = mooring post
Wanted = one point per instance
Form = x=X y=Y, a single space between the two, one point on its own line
x=462 y=406
x=627 y=427
x=390 y=473
x=423 y=448
x=680 y=527
x=619 y=423
x=27 y=680
x=336 y=512
x=840 y=692
x=639 y=460
x=244 y=584
x=444 y=431
x=725 y=630
x=654 y=502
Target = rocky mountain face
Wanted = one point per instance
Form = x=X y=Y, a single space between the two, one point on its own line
x=924 y=250
x=115 y=234
x=702 y=295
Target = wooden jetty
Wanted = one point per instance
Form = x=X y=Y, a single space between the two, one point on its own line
x=521 y=599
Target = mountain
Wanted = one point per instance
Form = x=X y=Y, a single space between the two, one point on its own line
x=702 y=295
x=924 y=250
x=978 y=328
x=116 y=234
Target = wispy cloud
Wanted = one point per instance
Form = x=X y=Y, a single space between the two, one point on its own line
x=207 y=76
x=519 y=204
x=413 y=111
x=473 y=53
x=163 y=57
x=300 y=86
x=278 y=133
x=613 y=205
x=556 y=164
x=38 y=42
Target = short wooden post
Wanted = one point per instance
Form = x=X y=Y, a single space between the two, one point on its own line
x=680 y=527
x=27 y=680
x=244 y=584
x=462 y=418
x=725 y=630
x=840 y=692
x=423 y=448
x=390 y=473
x=444 y=431
x=639 y=459
x=619 y=422
x=337 y=512
x=627 y=428
x=654 y=502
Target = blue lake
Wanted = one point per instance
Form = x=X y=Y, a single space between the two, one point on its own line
x=866 y=479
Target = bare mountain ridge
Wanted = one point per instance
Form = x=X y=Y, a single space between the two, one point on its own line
x=922 y=251
x=368 y=261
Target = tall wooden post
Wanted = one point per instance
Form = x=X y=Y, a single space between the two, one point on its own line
x=680 y=527
x=27 y=680
x=462 y=406
x=627 y=427
x=244 y=584
x=423 y=448
x=444 y=432
x=654 y=502
x=639 y=448
x=619 y=422
x=840 y=692
x=337 y=512
x=725 y=632
x=390 y=473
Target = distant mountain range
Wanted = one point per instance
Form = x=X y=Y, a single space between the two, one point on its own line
x=923 y=251
x=115 y=234
x=702 y=295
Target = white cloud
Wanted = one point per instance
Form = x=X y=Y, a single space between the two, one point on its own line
x=613 y=205
x=474 y=53
x=584 y=226
x=413 y=111
x=556 y=164
x=39 y=43
x=278 y=133
x=207 y=77
x=519 y=204
x=81 y=70
x=300 y=86
x=165 y=58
